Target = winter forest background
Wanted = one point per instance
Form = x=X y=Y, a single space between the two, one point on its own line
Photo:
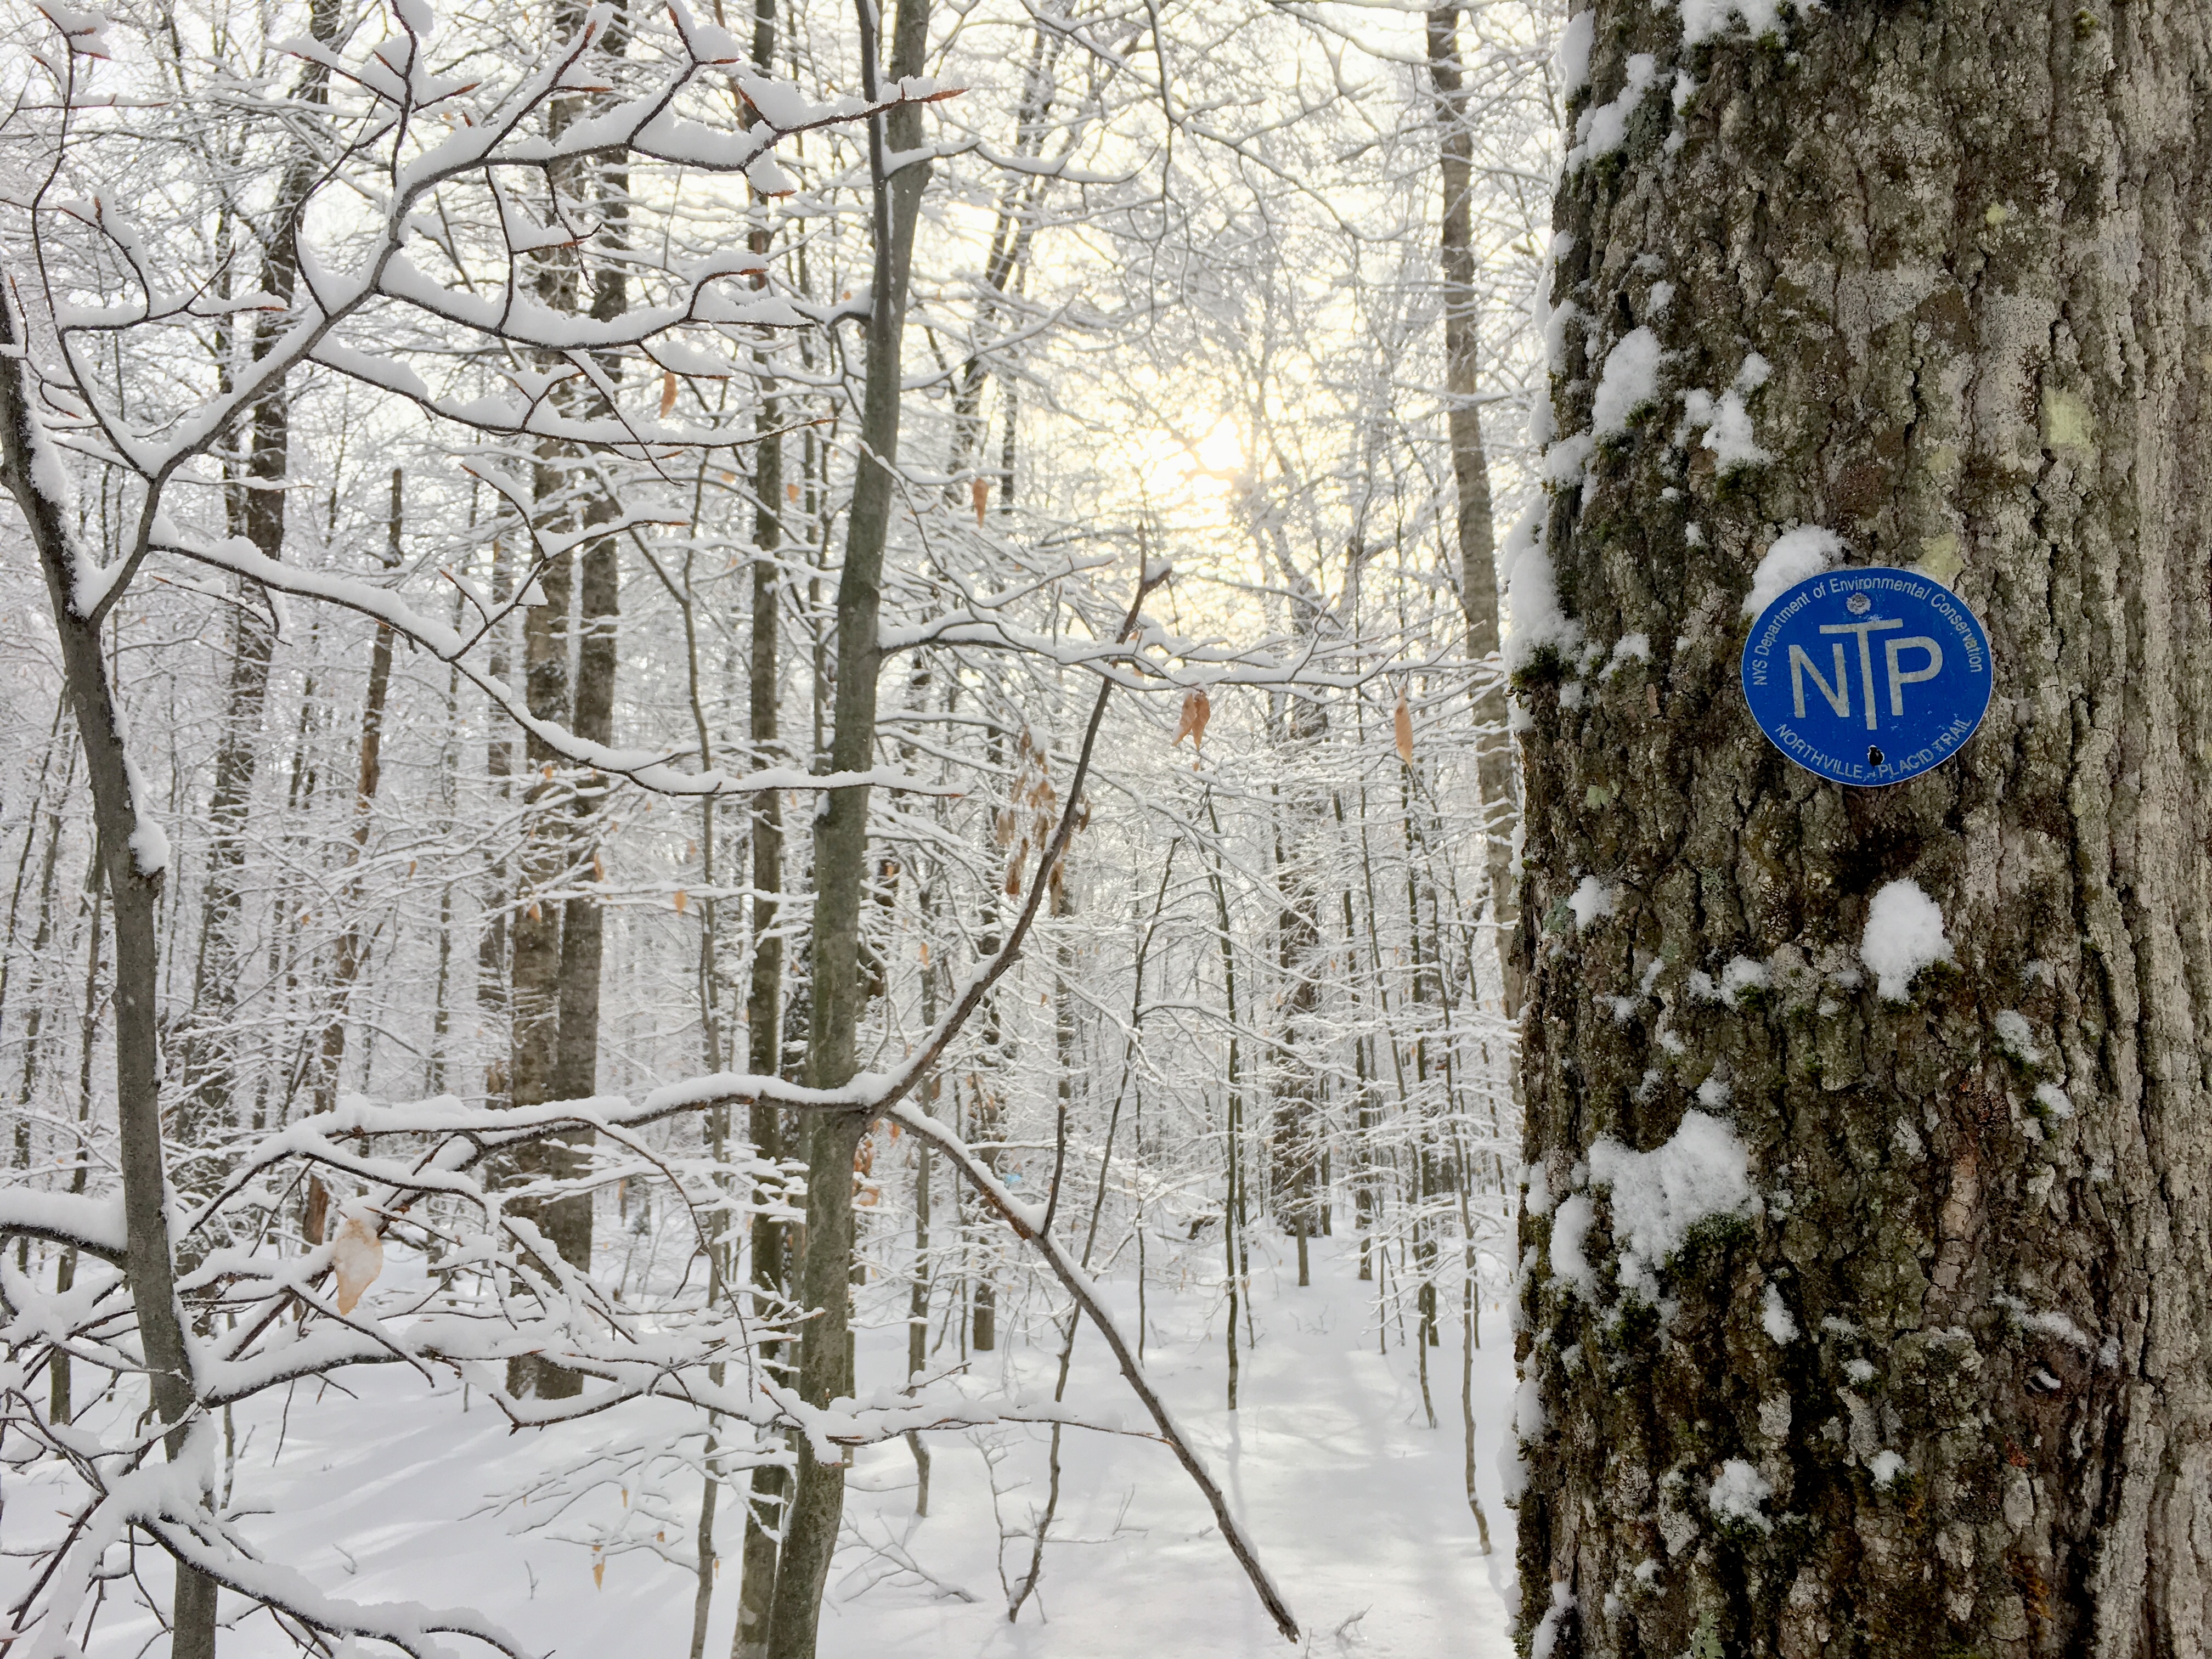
x=478 y=657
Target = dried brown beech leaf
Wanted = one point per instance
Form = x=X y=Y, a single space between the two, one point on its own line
x=1196 y=712
x=358 y=1257
x=1402 y=720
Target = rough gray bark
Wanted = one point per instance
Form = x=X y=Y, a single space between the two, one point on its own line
x=840 y=843
x=1969 y=239
x=765 y=1057
x=134 y=889
x=1478 y=547
x=534 y=933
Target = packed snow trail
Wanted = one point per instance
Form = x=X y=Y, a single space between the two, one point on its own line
x=1357 y=1506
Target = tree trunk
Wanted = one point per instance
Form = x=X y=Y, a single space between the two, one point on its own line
x=59 y=1404
x=534 y=936
x=36 y=993
x=449 y=766
x=67 y=748
x=917 y=1306
x=764 y=989
x=134 y=859
x=1013 y=232
x=1934 y=1383
x=534 y=933
x=1470 y=1313
x=583 y=921
x=1296 y=1129
x=206 y=1106
x=557 y=951
x=353 y=944
x=1478 y=588
x=493 y=997
x=841 y=844
x=1232 y=1111
x=986 y=1078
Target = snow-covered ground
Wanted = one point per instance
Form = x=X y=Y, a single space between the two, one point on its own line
x=1357 y=1507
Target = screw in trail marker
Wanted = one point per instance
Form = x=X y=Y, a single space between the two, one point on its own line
x=1867 y=676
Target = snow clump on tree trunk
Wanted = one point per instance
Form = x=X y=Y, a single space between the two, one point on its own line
x=1774 y=1313
x=1571 y=60
x=1569 y=1229
x=1532 y=597
x=1796 y=555
x=1546 y=1637
x=1591 y=899
x=1701 y=1174
x=1737 y=1494
x=1629 y=381
x=1904 y=935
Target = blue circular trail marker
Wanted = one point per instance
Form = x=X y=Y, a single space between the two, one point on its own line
x=1867 y=676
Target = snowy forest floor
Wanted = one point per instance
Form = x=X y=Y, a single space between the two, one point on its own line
x=1356 y=1504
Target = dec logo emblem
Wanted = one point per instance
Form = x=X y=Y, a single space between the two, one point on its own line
x=1867 y=676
